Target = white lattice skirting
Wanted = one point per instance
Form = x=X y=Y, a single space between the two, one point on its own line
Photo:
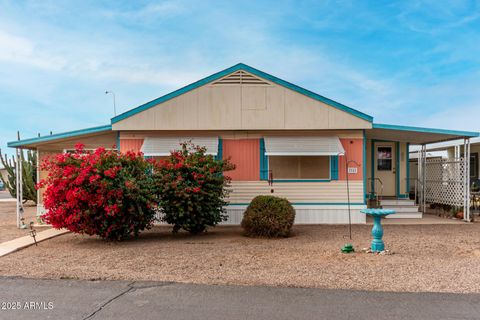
x=444 y=181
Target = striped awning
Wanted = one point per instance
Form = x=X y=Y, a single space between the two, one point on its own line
x=161 y=146
x=303 y=146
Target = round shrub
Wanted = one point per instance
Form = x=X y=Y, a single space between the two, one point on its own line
x=192 y=189
x=101 y=193
x=268 y=216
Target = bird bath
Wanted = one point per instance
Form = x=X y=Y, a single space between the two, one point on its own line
x=377 y=230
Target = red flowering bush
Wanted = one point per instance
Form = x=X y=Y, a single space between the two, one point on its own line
x=192 y=189
x=101 y=193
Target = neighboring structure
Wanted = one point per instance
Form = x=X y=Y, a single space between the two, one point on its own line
x=453 y=149
x=413 y=163
x=273 y=131
x=442 y=173
x=4 y=174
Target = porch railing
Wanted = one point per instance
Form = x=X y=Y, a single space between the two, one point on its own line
x=413 y=186
x=375 y=190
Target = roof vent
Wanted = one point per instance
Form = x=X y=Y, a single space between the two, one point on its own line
x=241 y=77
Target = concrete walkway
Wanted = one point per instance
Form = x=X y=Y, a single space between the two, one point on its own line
x=72 y=299
x=5 y=195
x=26 y=241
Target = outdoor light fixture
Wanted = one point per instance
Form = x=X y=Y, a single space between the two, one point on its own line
x=114 y=105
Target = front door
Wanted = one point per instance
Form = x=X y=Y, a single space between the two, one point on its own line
x=385 y=166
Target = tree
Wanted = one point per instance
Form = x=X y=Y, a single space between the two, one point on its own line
x=29 y=174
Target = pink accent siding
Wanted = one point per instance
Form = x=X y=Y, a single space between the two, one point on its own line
x=245 y=154
x=354 y=151
x=130 y=145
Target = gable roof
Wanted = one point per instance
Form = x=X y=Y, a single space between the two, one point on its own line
x=251 y=70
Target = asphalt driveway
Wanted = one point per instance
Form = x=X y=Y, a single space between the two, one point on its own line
x=72 y=299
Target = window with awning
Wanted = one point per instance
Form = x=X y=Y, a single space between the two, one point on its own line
x=303 y=158
x=162 y=146
x=303 y=146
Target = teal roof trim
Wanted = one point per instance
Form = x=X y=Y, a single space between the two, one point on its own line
x=426 y=130
x=69 y=134
x=254 y=71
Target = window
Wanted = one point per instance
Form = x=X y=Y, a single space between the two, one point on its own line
x=85 y=151
x=384 y=158
x=474 y=165
x=299 y=167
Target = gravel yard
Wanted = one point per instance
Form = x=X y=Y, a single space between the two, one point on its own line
x=8 y=220
x=435 y=258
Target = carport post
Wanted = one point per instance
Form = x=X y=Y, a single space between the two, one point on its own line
x=19 y=186
x=421 y=175
x=466 y=159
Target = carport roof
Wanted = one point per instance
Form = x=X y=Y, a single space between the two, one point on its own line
x=58 y=136
x=415 y=135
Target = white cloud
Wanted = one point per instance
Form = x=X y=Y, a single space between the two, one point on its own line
x=147 y=12
x=16 y=49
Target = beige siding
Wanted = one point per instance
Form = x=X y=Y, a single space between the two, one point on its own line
x=243 y=134
x=240 y=107
x=298 y=192
x=43 y=174
x=106 y=140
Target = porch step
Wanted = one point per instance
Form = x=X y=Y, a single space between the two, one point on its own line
x=406 y=215
x=404 y=208
x=404 y=212
x=397 y=202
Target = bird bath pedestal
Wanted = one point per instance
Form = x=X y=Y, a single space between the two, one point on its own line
x=377 y=230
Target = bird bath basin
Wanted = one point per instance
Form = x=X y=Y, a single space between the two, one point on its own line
x=377 y=230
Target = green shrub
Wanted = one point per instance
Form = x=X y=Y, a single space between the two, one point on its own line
x=101 y=193
x=268 y=216
x=192 y=189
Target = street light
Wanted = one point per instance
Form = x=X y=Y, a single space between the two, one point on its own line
x=114 y=106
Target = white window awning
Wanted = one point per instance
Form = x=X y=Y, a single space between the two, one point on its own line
x=303 y=146
x=161 y=146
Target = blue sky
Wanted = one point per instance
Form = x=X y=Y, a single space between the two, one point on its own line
x=406 y=62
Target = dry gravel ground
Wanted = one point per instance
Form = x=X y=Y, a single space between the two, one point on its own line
x=8 y=220
x=434 y=258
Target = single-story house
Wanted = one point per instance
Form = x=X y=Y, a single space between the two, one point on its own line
x=276 y=132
